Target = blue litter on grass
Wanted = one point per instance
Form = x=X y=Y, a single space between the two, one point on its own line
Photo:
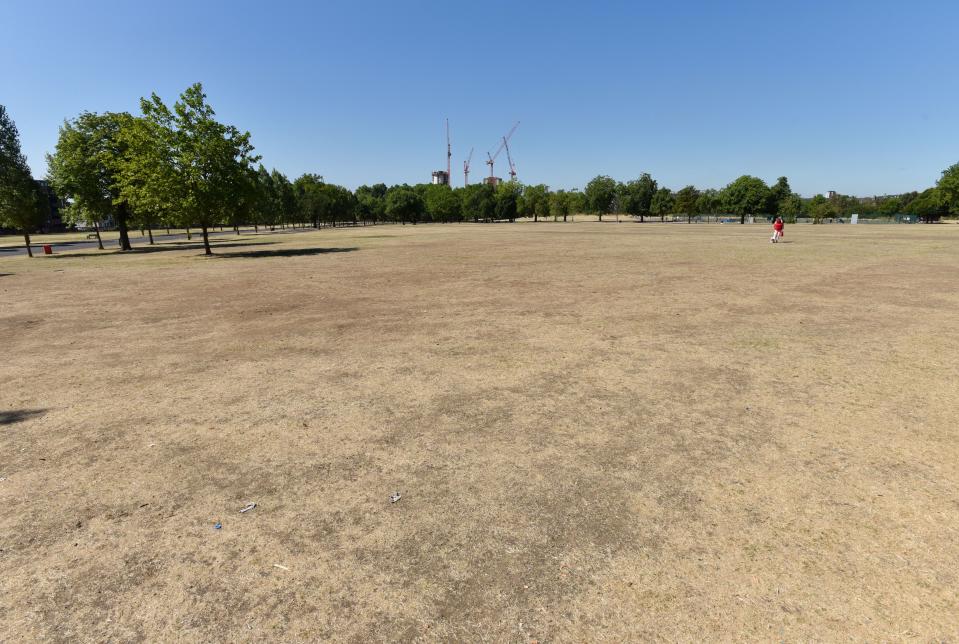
x=217 y=526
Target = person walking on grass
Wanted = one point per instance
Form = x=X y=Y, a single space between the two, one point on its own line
x=777 y=230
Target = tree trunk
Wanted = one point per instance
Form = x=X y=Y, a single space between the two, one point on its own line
x=742 y=219
x=188 y=235
x=255 y=229
x=150 y=230
x=206 y=242
x=96 y=229
x=601 y=216
x=167 y=232
x=122 y=227
x=26 y=238
x=642 y=218
x=236 y=230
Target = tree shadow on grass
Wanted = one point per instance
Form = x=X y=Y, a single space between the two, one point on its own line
x=194 y=245
x=286 y=252
x=19 y=415
x=167 y=246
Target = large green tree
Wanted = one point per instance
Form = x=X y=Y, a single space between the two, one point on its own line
x=948 y=188
x=601 y=195
x=403 y=204
x=23 y=204
x=790 y=208
x=778 y=193
x=931 y=204
x=821 y=208
x=371 y=202
x=146 y=176
x=211 y=162
x=85 y=167
x=536 y=201
x=284 y=196
x=479 y=201
x=507 y=199
x=442 y=204
x=662 y=203
x=559 y=204
x=577 y=202
x=268 y=209
x=313 y=202
x=636 y=197
x=746 y=196
x=708 y=202
x=687 y=202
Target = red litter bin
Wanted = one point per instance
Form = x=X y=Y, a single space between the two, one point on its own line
x=47 y=249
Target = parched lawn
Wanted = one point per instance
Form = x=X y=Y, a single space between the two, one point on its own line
x=599 y=431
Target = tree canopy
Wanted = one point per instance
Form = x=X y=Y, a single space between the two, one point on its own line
x=601 y=195
x=91 y=153
x=403 y=204
x=746 y=195
x=636 y=197
x=948 y=188
x=23 y=202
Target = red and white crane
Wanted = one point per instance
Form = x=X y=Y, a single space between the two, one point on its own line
x=449 y=154
x=491 y=158
x=466 y=168
x=512 y=168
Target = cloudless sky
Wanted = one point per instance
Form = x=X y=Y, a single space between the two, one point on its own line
x=849 y=95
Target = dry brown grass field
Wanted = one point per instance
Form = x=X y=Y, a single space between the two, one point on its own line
x=600 y=432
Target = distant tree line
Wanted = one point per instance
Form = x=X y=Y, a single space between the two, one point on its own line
x=177 y=166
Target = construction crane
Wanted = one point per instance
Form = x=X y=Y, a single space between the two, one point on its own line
x=491 y=158
x=449 y=153
x=512 y=168
x=466 y=168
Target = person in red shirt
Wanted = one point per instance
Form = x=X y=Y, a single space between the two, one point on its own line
x=777 y=230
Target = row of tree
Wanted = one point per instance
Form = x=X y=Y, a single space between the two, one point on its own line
x=180 y=167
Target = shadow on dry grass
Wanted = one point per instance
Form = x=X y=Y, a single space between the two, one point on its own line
x=19 y=415
x=159 y=248
x=287 y=252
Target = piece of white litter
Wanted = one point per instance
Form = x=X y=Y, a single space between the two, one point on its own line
x=248 y=508
x=396 y=496
x=281 y=567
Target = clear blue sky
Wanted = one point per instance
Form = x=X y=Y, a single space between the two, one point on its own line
x=856 y=96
